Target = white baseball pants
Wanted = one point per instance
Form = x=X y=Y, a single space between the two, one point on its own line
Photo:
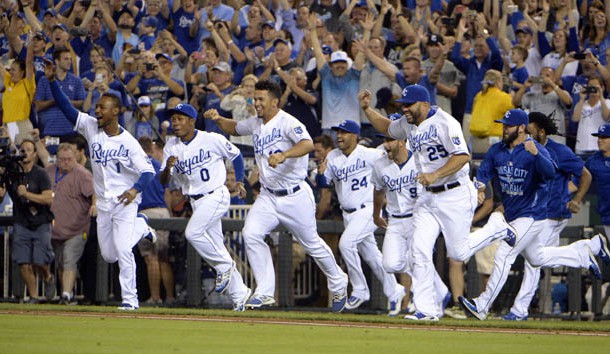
x=397 y=254
x=118 y=231
x=449 y=212
x=204 y=232
x=357 y=240
x=297 y=213
x=529 y=243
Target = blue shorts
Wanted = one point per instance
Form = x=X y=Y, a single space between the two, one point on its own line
x=32 y=246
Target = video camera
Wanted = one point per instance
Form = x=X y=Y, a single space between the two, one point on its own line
x=9 y=161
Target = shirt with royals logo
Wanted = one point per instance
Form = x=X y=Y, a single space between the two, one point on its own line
x=433 y=142
x=599 y=166
x=117 y=161
x=280 y=134
x=522 y=177
x=398 y=181
x=200 y=166
x=351 y=175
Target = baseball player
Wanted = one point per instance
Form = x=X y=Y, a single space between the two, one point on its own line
x=120 y=170
x=523 y=167
x=395 y=186
x=281 y=145
x=195 y=159
x=449 y=198
x=349 y=168
x=599 y=165
x=560 y=206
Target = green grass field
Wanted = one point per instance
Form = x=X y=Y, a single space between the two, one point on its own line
x=56 y=329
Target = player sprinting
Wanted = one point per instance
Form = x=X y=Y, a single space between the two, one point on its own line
x=523 y=168
x=349 y=168
x=281 y=145
x=195 y=159
x=449 y=198
x=395 y=186
x=120 y=170
x=559 y=210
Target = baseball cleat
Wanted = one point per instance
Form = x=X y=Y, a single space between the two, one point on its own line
x=471 y=307
x=241 y=305
x=339 y=301
x=223 y=279
x=455 y=312
x=593 y=266
x=418 y=316
x=394 y=306
x=512 y=317
x=354 y=302
x=127 y=307
x=258 y=300
x=604 y=252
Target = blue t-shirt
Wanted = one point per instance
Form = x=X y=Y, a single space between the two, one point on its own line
x=599 y=166
x=519 y=75
x=522 y=178
x=568 y=165
x=182 y=24
x=52 y=119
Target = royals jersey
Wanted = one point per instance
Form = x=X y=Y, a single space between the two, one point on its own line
x=399 y=183
x=200 y=166
x=352 y=175
x=117 y=161
x=433 y=143
x=280 y=134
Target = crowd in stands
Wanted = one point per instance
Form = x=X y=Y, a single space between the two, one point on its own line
x=477 y=58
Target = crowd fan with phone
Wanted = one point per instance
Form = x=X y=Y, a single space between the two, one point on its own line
x=476 y=59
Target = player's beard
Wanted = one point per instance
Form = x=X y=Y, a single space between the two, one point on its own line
x=507 y=140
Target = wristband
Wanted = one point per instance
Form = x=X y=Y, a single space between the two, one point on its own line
x=230 y=41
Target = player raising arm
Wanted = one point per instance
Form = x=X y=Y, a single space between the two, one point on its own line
x=120 y=170
x=281 y=145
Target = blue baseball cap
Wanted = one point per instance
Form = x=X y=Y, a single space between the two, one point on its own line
x=269 y=24
x=326 y=49
x=61 y=26
x=184 y=109
x=603 y=131
x=150 y=21
x=349 y=126
x=51 y=12
x=164 y=56
x=514 y=117
x=414 y=93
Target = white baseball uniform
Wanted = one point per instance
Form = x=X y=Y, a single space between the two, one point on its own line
x=117 y=163
x=285 y=198
x=351 y=176
x=401 y=191
x=447 y=206
x=200 y=173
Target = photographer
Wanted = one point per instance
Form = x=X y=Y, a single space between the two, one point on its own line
x=29 y=187
x=153 y=79
x=591 y=112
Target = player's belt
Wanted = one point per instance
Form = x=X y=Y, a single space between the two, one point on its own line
x=349 y=211
x=442 y=188
x=403 y=216
x=198 y=196
x=283 y=192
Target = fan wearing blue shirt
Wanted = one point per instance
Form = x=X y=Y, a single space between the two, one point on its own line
x=524 y=169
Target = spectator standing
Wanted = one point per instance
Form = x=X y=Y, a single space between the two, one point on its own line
x=32 y=196
x=591 y=112
x=50 y=116
x=154 y=204
x=73 y=206
x=19 y=90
